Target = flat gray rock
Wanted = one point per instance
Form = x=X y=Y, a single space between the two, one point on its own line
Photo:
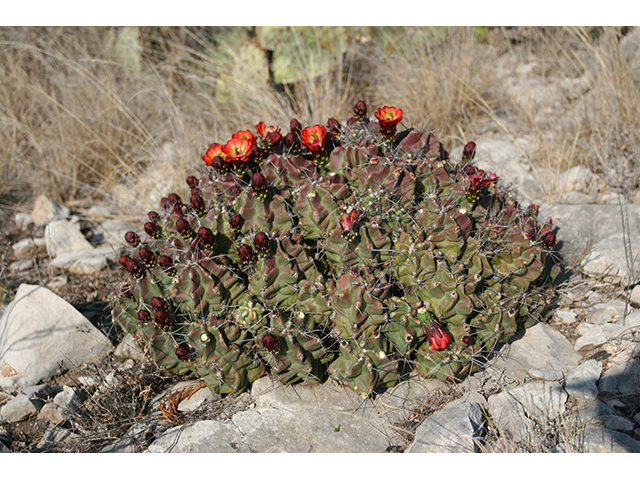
x=86 y=261
x=581 y=380
x=46 y=210
x=608 y=257
x=63 y=237
x=603 y=440
x=205 y=436
x=457 y=428
x=510 y=417
x=39 y=332
x=542 y=401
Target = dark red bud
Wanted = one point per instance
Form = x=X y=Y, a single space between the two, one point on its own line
x=177 y=210
x=548 y=238
x=154 y=216
x=175 y=199
x=165 y=202
x=274 y=138
x=469 y=151
x=235 y=190
x=130 y=265
x=152 y=229
x=333 y=125
x=271 y=343
x=259 y=183
x=183 y=227
x=256 y=151
x=262 y=242
x=132 y=239
x=126 y=291
x=291 y=141
x=236 y=222
x=360 y=109
x=159 y=303
x=166 y=263
x=197 y=203
x=245 y=252
x=218 y=164
x=144 y=316
x=192 y=181
x=295 y=126
x=162 y=319
x=147 y=256
x=206 y=237
x=183 y=353
x=466 y=339
x=195 y=191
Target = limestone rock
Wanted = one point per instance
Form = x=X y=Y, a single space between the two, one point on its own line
x=603 y=440
x=46 y=210
x=581 y=381
x=205 y=436
x=64 y=237
x=39 y=332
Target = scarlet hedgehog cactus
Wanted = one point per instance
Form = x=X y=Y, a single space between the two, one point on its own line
x=343 y=251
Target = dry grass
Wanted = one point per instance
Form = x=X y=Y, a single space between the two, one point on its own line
x=83 y=109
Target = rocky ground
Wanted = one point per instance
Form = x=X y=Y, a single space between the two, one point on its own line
x=570 y=385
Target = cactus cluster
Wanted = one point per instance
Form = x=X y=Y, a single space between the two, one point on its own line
x=345 y=251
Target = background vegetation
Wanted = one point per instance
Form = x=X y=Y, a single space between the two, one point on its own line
x=85 y=109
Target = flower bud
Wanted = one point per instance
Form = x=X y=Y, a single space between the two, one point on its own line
x=183 y=353
x=291 y=141
x=144 y=316
x=175 y=199
x=147 y=256
x=130 y=265
x=259 y=183
x=132 y=239
x=271 y=343
x=295 y=126
x=206 y=237
x=236 y=221
x=360 y=110
x=165 y=262
x=262 y=242
x=152 y=229
x=165 y=202
x=126 y=291
x=162 y=319
x=548 y=238
x=197 y=203
x=153 y=216
x=245 y=252
x=159 y=303
x=468 y=152
x=183 y=227
x=218 y=164
x=192 y=181
x=274 y=138
x=333 y=125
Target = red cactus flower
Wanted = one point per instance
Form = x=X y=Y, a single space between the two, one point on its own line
x=243 y=135
x=132 y=239
x=144 y=316
x=262 y=242
x=236 y=221
x=389 y=117
x=347 y=222
x=237 y=150
x=183 y=353
x=271 y=343
x=314 y=138
x=438 y=337
x=206 y=237
x=214 y=151
x=147 y=256
x=264 y=131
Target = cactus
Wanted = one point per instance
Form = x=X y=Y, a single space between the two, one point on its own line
x=345 y=251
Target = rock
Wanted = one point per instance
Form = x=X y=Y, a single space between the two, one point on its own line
x=87 y=261
x=111 y=232
x=41 y=332
x=457 y=428
x=25 y=246
x=53 y=413
x=577 y=198
x=21 y=265
x=581 y=380
x=510 y=417
x=547 y=374
x=55 y=437
x=589 y=412
x=23 y=220
x=45 y=210
x=565 y=316
x=19 y=408
x=69 y=399
x=603 y=440
x=64 y=237
x=205 y=436
x=606 y=312
x=635 y=295
x=57 y=282
x=608 y=258
x=138 y=437
x=591 y=337
x=616 y=422
x=576 y=179
x=542 y=401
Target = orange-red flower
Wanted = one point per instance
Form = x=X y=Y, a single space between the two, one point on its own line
x=237 y=150
x=389 y=117
x=314 y=138
x=438 y=337
x=214 y=150
x=243 y=135
x=263 y=130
